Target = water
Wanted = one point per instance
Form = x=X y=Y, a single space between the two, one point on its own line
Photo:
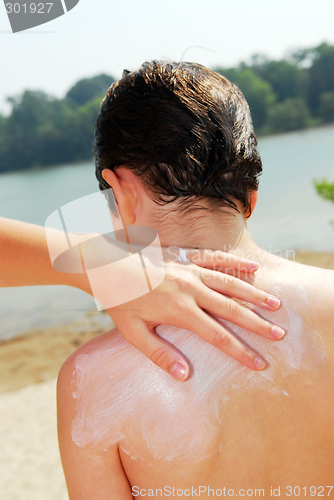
x=289 y=215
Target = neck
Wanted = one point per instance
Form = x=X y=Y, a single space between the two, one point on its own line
x=216 y=229
x=221 y=230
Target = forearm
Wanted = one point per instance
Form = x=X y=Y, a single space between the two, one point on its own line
x=25 y=260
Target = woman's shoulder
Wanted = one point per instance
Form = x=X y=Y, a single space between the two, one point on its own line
x=81 y=356
x=290 y=271
x=309 y=289
x=317 y=282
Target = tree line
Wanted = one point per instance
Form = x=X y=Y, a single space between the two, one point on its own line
x=289 y=94
x=283 y=95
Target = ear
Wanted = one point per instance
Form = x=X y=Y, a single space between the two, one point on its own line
x=124 y=185
x=253 y=200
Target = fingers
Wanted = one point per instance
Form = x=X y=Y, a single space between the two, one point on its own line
x=213 y=332
x=140 y=335
x=212 y=258
x=233 y=287
x=229 y=310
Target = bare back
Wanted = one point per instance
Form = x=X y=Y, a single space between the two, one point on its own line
x=226 y=427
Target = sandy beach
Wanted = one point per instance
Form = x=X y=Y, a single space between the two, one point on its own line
x=29 y=458
x=30 y=467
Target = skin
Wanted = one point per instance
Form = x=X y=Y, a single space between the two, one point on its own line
x=25 y=261
x=269 y=439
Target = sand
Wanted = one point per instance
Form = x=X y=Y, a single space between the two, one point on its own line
x=30 y=467
x=318 y=259
x=29 y=458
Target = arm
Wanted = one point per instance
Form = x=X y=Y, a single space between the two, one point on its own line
x=187 y=293
x=90 y=473
x=25 y=261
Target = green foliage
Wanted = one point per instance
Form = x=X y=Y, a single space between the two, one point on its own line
x=326 y=108
x=2 y=124
x=291 y=114
x=87 y=89
x=325 y=189
x=42 y=131
x=299 y=89
x=283 y=95
x=257 y=92
x=286 y=78
x=321 y=74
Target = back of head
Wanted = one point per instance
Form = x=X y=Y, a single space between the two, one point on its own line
x=184 y=130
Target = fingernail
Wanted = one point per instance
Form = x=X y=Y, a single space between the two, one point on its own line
x=273 y=302
x=254 y=265
x=178 y=371
x=259 y=363
x=278 y=332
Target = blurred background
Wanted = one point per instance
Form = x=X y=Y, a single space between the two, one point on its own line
x=53 y=78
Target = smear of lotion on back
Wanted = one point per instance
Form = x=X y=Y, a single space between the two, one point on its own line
x=122 y=397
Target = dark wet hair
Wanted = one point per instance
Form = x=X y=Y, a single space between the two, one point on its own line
x=184 y=130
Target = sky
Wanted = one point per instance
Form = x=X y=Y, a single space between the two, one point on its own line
x=106 y=36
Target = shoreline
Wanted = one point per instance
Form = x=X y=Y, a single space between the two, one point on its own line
x=37 y=356
x=264 y=134
x=324 y=260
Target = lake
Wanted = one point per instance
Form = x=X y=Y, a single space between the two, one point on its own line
x=289 y=216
